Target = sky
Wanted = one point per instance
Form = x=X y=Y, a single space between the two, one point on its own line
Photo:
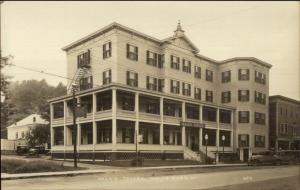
x=35 y=32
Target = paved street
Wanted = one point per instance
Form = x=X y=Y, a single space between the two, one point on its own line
x=151 y=180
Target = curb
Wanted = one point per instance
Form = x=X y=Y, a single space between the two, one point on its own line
x=87 y=172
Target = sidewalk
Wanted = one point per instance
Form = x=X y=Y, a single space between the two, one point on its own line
x=105 y=169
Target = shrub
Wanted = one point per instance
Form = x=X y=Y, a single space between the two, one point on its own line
x=23 y=166
x=137 y=161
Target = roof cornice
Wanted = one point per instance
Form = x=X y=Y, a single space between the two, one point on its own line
x=280 y=97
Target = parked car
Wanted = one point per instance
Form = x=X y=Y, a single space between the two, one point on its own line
x=265 y=158
x=289 y=156
x=22 y=149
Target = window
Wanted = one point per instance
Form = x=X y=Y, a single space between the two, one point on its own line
x=283 y=128
x=209 y=114
x=106 y=50
x=106 y=77
x=244 y=74
x=132 y=79
x=104 y=132
x=243 y=116
x=161 y=85
x=225 y=116
x=226 y=76
x=211 y=133
x=175 y=62
x=186 y=66
x=151 y=58
x=186 y=89
x=197 y=92
x=209 y=75
x=23 y=135
x=86 y=83
x=243 y=95
x=151 y=83
x=227 y=135
x=197 y=72
x=243 y=140
x=17 y=135
x=260 y=77
x=175 y=87
x=58 y=110
x=192 y=111
x=152 y=107
x=156 y=60
x=226 y=97
x=34 y=119
x=209 y=96
x=259 y=141
x=83 y=60
x=260 y=118
x=172 y=109
x=260 y=97
x=132 y=52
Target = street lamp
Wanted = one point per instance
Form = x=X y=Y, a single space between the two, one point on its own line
x=223 y=140
x=74 y=88
x=206 y=139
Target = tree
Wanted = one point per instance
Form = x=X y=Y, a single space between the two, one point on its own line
x=30 y=96
x=5 y=100
x=38 y=135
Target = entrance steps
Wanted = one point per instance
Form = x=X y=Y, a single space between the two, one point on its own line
x=191 y=155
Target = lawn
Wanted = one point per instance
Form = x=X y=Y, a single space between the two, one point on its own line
x=15 y=165
x=147 y=163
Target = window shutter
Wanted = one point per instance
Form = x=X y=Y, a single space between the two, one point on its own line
x=91 y=82
x=147 y=60
x=109 y=72
x=136 y=79
x=128 y=77
x=110 y=50
x=240 y=72
x=147 y=83
x=127 y=45
x=178 y=85
x=137 y=53
x=155 y=59
x=103 y=78
x=88 y=57
x=248 y=93
x=78 y=61
x=229 y=96
x=103 y=51
x=171 y=86
x=155 y=83
x=183 y=91
x=159 y=60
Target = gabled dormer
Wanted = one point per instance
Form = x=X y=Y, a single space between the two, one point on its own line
x=179 y=39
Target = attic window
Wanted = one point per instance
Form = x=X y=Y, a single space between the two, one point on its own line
x=34 y=119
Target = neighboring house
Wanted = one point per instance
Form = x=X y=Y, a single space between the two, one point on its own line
x=284 y=123
x=18 y=130
x=163 y=90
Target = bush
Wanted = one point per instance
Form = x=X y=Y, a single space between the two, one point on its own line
x=137 y=161
x=23 y=166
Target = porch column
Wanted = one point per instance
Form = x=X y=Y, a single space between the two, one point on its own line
x=161 y=127
x=114 y=116
x=65 y=127
x=183 y=127
x=94 y=123
x=136 y=109
x=201 y=129
x=218 y=134
x=51 y=131
x=78 y=137
x=232 y=129
x=218 y=129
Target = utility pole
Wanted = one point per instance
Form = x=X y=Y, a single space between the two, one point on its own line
x=74 y=124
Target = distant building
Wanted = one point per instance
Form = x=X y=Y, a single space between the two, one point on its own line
x=284 y=123
x=18 y=130
x=164 y=90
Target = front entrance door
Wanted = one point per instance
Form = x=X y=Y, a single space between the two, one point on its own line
x=245 y=154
